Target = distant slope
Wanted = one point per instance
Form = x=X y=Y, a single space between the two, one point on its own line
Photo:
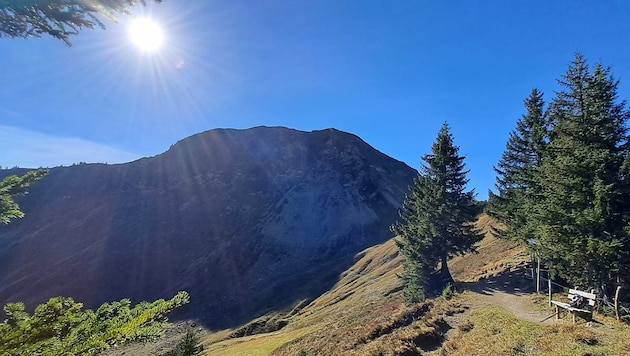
x=494 y=257
x=247 y=221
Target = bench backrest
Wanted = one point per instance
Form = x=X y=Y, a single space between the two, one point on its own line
x=589 y=296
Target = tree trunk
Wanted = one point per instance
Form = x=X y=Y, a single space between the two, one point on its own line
x=446 y=274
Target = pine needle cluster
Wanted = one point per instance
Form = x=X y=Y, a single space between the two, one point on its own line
x=57 y=18
x=11 y=187
x=62 y=327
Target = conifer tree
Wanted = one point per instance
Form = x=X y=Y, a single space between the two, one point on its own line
x=516 y=171
x=189 y=346
x=62 y=327
x=13 y=186
x=583 y=216
x=436 y=220
x=412 y=228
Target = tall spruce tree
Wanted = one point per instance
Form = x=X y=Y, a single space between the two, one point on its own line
x=436 y=220
x=516 y=172
x=582 y=219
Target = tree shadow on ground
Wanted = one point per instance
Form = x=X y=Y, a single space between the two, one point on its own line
x=515 y=282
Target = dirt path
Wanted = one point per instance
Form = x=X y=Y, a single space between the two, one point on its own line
x=511 y=291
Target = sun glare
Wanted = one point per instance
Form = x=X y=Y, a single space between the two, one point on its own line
x=146 y=34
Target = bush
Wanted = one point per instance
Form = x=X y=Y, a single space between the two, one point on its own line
x=189 y=346
x=413 y=294
x=448 y=292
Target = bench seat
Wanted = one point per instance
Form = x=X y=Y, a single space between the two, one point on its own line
x=583 y=313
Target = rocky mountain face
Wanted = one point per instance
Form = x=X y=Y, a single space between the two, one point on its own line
x=246 y=221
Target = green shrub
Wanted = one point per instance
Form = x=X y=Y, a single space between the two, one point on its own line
x=189 y=346
x=413 y=294
x=448 y=292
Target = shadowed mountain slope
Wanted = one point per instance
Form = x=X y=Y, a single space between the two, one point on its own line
x=247 y=221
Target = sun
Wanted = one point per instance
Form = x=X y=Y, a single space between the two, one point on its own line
x=146 y=34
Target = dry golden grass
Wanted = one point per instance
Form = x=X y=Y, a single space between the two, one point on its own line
x=365 y=294
x=363 y=314
x=392 y=330
x=493 y=331
x=263 y=344
x=493 y=258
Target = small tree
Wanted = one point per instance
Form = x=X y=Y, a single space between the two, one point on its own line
x=436 y=221
x=189 y=346
x=57 y=18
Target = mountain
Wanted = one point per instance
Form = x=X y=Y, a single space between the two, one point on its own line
x=246 y=221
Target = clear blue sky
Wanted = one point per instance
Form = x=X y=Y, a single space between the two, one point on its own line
x=390 y=72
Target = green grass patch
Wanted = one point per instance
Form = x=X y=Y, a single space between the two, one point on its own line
x=257 y=345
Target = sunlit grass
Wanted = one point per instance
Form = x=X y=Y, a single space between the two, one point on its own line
x=494 y=331
x=493 y=256
x=362 y=315
x=256 y=345
x=364 y=297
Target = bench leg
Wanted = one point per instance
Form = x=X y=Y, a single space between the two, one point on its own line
x=557 y=312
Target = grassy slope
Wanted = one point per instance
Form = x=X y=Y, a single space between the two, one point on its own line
x=364 y=315
x=493 y=331
x=494 y=257
x=370 y=285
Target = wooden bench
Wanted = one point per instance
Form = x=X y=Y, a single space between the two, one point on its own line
x=583 y=313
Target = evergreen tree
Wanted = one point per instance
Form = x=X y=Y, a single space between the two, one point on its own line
x=436 y=220
x=13 y=186
x=583 y=216
x=516 y=171
x=61 y=327
x=57 y=18
x=189 y=346
x=412 y=228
